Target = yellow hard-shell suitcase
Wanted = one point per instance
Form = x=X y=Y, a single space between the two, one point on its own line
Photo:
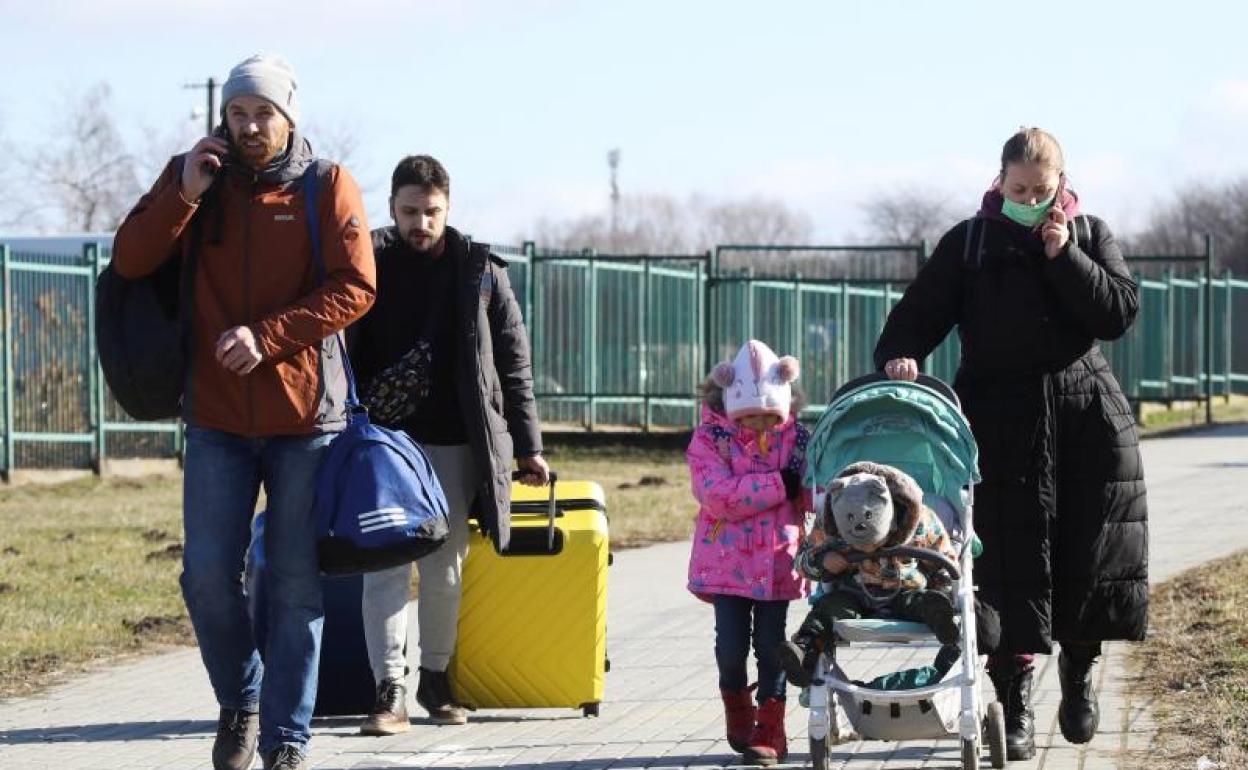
x=533 y=619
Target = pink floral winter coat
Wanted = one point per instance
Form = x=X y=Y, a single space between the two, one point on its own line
x=747 y=532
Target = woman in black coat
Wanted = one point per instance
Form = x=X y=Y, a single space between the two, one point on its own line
x=1031 y=286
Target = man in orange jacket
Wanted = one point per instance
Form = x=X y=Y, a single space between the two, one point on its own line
x=264 y=392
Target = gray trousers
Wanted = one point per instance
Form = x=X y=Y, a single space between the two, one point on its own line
x=386 y=593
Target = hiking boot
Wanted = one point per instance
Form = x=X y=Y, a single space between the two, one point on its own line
x=433 y=693
x=1013 y=685
x=235 y=746
x=286 y=756
x=1077 y=714
x=798 y=658
x=739 y=713
x=389 y=714
x=768 y=744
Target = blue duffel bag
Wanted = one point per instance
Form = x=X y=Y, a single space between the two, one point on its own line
x=378 y=501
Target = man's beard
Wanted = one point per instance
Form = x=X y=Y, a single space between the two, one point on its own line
x=257 y=157
x=421 y=245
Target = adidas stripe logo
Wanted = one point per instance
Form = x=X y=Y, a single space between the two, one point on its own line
x=382 y=518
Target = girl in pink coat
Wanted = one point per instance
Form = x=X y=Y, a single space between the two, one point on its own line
x=746 y=462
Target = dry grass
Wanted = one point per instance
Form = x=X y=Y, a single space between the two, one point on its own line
x=1159 y=419
x=89 y=568
x=1194 y=667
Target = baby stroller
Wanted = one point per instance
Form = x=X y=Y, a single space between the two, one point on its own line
x=918 y=428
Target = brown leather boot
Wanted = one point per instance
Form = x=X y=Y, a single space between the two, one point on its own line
x=389 y=714
x=235 y=745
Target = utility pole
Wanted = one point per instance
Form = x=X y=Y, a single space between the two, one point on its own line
x=613 y=161
x=210 y=86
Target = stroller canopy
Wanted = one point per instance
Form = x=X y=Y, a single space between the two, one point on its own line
x=904 y=424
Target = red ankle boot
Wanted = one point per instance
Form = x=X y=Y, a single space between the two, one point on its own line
x=739 y=713
x=768 y=744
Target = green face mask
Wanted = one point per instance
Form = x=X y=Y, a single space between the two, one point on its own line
x=1027 y=216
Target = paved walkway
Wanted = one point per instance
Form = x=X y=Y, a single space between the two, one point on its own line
x=662 y=707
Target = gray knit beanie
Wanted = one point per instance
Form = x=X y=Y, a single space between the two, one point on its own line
x=268 y=76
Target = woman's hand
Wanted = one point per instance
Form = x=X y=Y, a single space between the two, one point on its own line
x=1055 y=232
x=902 y=369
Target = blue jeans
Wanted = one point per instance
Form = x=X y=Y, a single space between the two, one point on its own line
x=732 y=643
x=221 y=483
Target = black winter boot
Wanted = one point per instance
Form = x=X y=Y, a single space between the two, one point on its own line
x=1077 y=714
x=1013 y=685
x=798 y=657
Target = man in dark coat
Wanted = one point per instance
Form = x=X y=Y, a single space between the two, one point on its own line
x=1061 y=510
x=443 y=355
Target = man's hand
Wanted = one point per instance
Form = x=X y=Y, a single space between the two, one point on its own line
x=834 y=563
x=534 y=471
x=237 y=350
x=201 y=165
x=1055 y=232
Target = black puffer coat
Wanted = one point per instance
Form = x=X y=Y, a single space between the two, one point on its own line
x=1061 y=510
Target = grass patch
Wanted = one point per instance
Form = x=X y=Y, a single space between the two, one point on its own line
x=1159 y=419
x=1194 y=667
x=89 y=571
x=89 y=568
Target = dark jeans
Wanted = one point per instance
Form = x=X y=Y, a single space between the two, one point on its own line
x=224 y=473
x=732 y=643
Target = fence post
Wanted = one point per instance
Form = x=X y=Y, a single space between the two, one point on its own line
x=922 y=255
x=842 y=337
x=644 y=351
x=708 y=315
x=95 y=382
x=591 y=307
x=798 y=319
x=529 y=248
x=703 y=293
x=1208 y=319
x=1228 y=323
x=6 y=320
x=1167 y=368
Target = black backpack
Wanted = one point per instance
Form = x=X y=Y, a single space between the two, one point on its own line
x=141 y=338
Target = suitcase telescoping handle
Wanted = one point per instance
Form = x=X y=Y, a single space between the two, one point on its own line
x=551 y=512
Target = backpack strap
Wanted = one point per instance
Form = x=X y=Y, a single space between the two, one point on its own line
x=1081 y=231
x=973 y=250
x=312 y=177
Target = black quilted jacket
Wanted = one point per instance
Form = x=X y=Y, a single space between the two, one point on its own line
x=1062 y=510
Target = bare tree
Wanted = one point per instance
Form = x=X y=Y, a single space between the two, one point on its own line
x=661 y=224
x=10 y=214
x=908 y=216
x=339 y=140
x=84 y=173
x=1179 y=227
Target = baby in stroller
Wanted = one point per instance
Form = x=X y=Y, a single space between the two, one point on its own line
x=870 y=506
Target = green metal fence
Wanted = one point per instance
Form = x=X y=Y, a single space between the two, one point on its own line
x=617 y=340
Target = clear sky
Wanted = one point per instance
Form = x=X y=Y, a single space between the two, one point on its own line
x=819 y=104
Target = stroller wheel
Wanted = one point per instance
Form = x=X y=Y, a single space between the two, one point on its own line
x=819 y=751
x=994 y=733
x=970 y=754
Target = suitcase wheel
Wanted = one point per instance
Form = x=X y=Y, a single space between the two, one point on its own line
x=591 y=709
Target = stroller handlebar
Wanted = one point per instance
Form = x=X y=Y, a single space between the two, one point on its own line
x=911 y=552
